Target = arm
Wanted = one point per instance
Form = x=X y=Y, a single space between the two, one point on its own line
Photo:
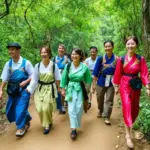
x=117 y=75
x=3 y=84
x=5 y=78
x=57 y=77
x=98 y=66
x=29 y=71
x=64 y=79
x=34 y=80
x=144 y=75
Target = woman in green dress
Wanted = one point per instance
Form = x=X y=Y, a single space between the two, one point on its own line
x=45 y=75
x=74 y=74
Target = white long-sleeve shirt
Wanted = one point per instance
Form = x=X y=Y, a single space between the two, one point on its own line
x=42 y=69
x=5 y=76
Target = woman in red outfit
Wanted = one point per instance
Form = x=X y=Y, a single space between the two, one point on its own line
x=127 y=68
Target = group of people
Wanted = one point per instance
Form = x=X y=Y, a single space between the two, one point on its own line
x=56 y=81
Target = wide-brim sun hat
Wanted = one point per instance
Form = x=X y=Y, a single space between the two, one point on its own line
x=13 y=45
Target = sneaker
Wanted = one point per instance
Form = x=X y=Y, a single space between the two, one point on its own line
x=107 y=121
x=20 y=132
x=99 y=115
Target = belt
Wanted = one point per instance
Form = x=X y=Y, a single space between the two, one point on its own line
x=130 y=75
x=47 y=83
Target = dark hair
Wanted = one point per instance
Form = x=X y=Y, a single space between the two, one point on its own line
x=79 y=52
x=48 y=50
x=134 y=38
x=94 y=47
x=85 y=54
x=109 y=41
x=62 y=45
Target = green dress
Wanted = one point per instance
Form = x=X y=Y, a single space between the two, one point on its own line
x=74 y=94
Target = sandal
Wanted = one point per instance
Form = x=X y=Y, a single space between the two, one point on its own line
x=129 y=142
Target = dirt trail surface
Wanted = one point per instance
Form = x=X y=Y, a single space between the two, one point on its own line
x=94 y=134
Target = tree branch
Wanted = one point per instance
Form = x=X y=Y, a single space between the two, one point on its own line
x=25 y=17
x=7 y=6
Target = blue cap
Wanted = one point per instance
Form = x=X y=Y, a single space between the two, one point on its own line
x=13 y=45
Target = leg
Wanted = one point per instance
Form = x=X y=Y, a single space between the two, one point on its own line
x=128 y=137
x=22 y=115
x=100 y=99
x=108 y=102
x=75 y=109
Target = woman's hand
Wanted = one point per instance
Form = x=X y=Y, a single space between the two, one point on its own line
x=63 y=93
x=116 y=90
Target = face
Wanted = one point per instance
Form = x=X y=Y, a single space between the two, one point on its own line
x=108 y=48
x=131 y=46
x=14 y=52
x=75 y=57
x=61 y=50
x=93 y=53
x=44 y=54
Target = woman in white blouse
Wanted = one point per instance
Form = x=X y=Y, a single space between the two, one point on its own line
x=45 y=75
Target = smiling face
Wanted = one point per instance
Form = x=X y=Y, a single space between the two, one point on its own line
x=93 y=53
x=44 y=53
x=75 y=57
x=14 y=52
x=61 y=50
x=131 y=46
x=108 y=48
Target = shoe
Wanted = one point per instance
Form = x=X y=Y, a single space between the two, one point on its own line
x=63 y=111
x=20 y=132
x=73 y=135
x=47 y=130
x=27 y=126
x=107 y=121
x=130 y=144
x=99 y=115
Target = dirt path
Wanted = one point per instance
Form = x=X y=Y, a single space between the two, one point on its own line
x=94 y=135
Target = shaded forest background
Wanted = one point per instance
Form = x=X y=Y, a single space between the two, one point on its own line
x=75 y=23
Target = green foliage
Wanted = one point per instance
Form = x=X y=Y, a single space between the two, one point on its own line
x=143 y=121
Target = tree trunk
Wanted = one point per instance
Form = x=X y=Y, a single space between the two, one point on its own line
x=146 y=28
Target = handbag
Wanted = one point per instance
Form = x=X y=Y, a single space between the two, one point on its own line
x=13 y=89
x=135 y=83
